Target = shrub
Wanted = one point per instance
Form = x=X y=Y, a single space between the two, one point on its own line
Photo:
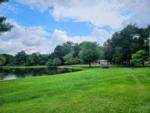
x=54 y=62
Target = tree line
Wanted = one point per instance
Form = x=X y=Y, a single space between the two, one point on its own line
x=68 y=53
x=127 y=47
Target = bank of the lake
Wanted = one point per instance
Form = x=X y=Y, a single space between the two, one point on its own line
x=17 y=72
x=113 y=90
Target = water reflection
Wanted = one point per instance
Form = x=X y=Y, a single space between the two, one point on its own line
x=14 y=73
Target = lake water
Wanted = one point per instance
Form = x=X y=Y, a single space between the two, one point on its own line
x=15 y=73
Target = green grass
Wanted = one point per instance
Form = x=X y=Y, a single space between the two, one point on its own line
x=113 y=90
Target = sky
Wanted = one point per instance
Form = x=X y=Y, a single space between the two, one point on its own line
x=40 y=25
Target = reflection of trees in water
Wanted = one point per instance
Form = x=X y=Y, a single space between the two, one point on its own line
x=24 y=72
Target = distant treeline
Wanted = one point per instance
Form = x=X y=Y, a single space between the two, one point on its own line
x=127 y=47
x=66 y=54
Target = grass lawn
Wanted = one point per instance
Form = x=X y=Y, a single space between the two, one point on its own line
x=113 y=90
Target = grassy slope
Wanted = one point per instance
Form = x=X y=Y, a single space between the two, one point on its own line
x=114 y=90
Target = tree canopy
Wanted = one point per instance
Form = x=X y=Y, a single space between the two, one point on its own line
x=2 y=60
x=54 y=62
x=89 y=52
x=123 y=44
x=140 y=57
x=125 y=47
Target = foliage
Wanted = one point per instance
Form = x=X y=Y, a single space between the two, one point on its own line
x=140 y=57
x=117 y=55
x=123 y=44
x=36 y=59
x=10 y=59
x=66 y=48
x=2 y=60
x=89 y=52
x=20 y=58
x=30 y=60
x=54 y=62
x=70 y=59
x=119 y=50
x=101 y=52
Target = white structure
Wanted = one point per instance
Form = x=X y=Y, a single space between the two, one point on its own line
x=104 y=63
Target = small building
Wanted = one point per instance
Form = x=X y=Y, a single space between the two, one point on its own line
x=104 y=63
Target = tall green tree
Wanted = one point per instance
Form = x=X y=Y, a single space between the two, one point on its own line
x=89 y=52
x=20 y=58
x=30 y=60
x=123 y=44
x=10 y=59
x=62 y=50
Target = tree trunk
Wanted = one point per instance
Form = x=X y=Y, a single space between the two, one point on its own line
x=90 y=64
x=143 y=63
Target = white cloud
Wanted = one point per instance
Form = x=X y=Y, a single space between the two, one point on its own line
x=140 y=12
x=114 y=13
x=36 y=39
x=97 y=35
x=30 y=39
x=7 y=7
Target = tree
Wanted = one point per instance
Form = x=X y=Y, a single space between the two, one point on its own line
x=117 y=56
x=43 y=58
x=101 y=52
x=54 y=62
x=59 y=52
x=36 y=59
x=89 y=52
x=20 y=58
x=70 y=59
x=76 y=50
x=10 y=59
x=62 y=50
x=68 y=47
x=140 y=57
x=2 y=60
x=30 y=60
x=3 y=25
x=123 y=44
x=49 y=62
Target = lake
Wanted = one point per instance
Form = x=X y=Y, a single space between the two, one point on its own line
x=15 y=73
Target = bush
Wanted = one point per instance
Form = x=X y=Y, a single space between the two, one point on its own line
x=139 y=57
x=2 y=60
x=69 y=59
x=54 y=62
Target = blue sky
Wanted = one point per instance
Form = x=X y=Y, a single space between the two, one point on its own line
x=24 y=15
x=40 y=25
